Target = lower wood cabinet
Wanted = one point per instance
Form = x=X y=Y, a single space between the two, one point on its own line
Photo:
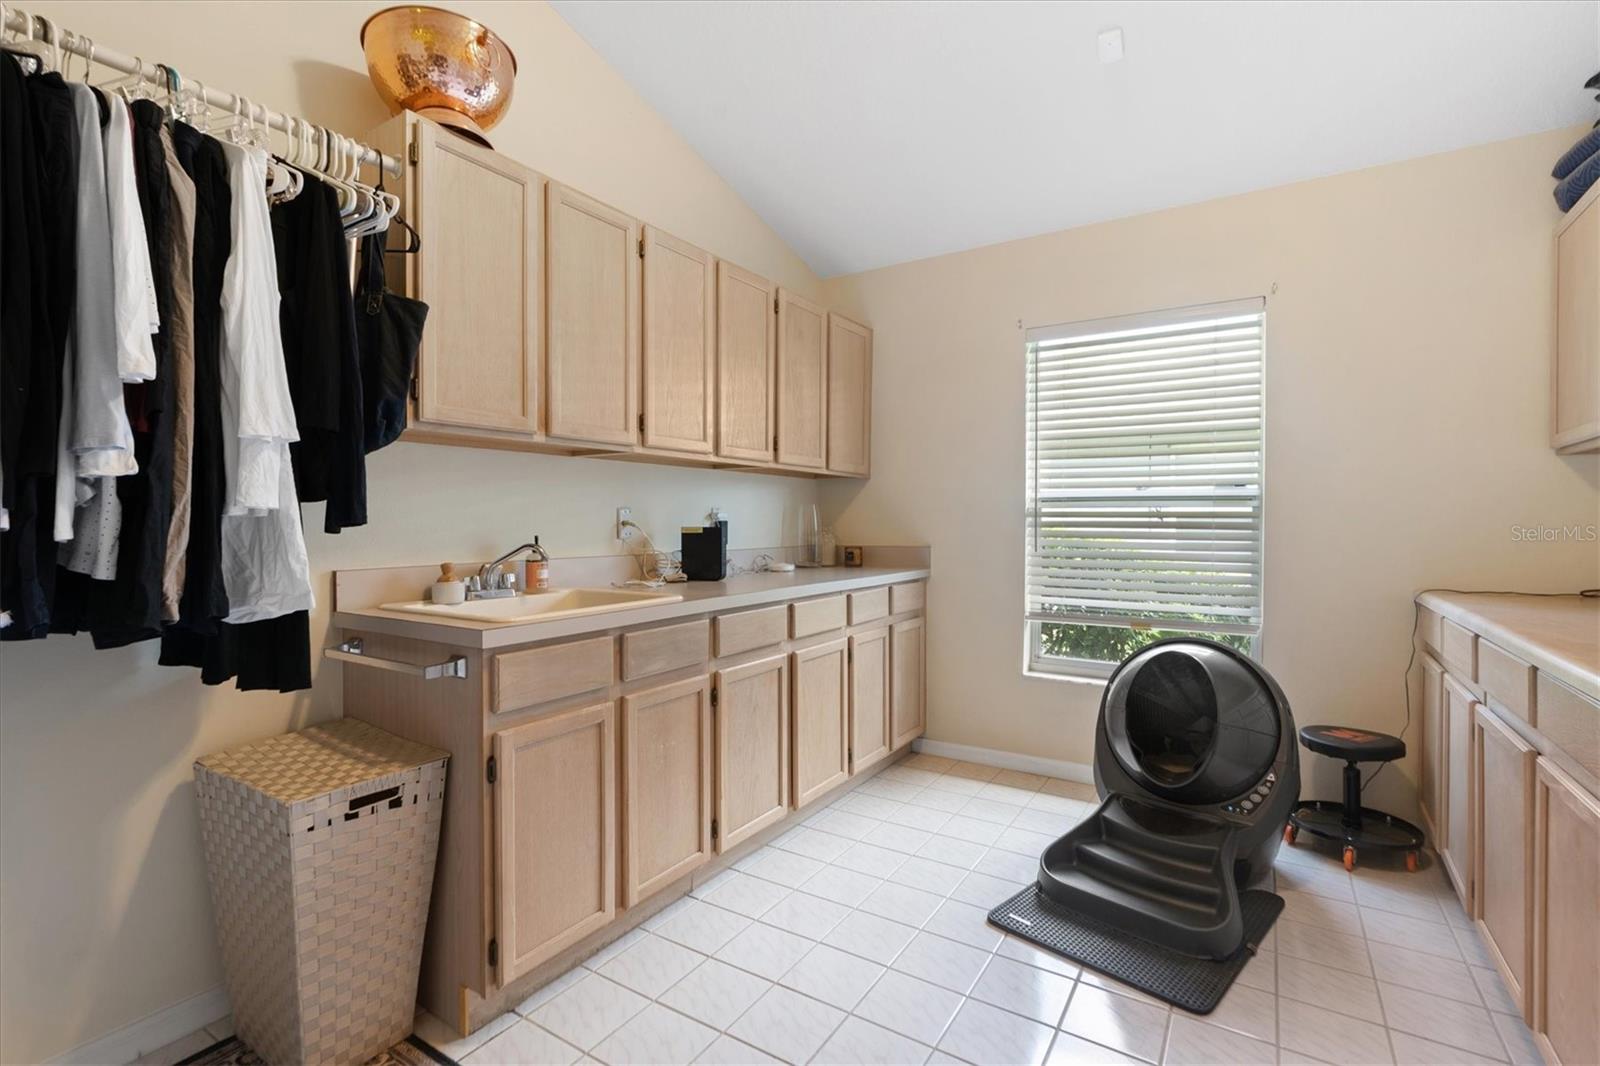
x=1430 y=790
x=908 y=703
x=666 y=785
x=752 y=748
x=1503 y=771
x=1455 y=847
x=869 y=698
x=554 y=782
x=1566 y=918
x=821 y=719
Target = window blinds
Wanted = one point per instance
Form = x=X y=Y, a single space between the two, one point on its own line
x=1144 y=464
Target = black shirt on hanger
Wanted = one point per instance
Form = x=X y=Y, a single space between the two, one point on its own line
x=319 y=344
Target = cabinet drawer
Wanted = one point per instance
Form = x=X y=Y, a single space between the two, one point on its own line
x=1506 y=679
x=749 y=630
x=1428 y=626
x=816 y=616
x=869 y=605
x=903 y=598
x=553 y=672
x=1570 y=721
x=655 y=651
x=1458 y=647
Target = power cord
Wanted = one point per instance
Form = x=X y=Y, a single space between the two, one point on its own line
x=1416 y=620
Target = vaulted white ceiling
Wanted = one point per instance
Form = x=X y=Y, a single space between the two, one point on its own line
x=873 y=133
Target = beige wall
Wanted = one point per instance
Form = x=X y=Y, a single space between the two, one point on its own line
x=103 y=899
x=1409 y=312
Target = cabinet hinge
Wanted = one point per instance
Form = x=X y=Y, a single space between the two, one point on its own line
x=413 y=153
x=849 y=655
x=641 y=247
x=491 y=770
x=494 y=952
x=416 y=389
x=713 y=829
x=774 y=443
x=713 y=695
x=774 y=305
x=641 y=421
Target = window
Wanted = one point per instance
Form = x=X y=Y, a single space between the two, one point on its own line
x=1144 y=461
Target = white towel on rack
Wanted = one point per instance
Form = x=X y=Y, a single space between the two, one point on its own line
x=133 y=281
x=264 y=564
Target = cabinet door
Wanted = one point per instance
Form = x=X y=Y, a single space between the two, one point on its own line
x=1456 y=850
x=1503 y=859
x=869 y=698
x=1575 y=405
x=592 y=354
x=1430 y=793
x=555 y=823
x=747 y=367
x=666 y=785
x=821 y=720
x=1566 y=918
x=479 y=273
x=907 y=681
x=752 y=727
x=802 y=382
x=849 y=396
x=679 y=366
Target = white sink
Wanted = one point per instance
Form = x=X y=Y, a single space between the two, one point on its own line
x=540 y=606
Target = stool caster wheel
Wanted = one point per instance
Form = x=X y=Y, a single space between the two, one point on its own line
x=1349 y=857
x=1411 y=862
x=1288 y=835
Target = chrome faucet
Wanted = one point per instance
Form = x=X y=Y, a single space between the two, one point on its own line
x=492 y=582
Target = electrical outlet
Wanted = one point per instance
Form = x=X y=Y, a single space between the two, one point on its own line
x=624 y=530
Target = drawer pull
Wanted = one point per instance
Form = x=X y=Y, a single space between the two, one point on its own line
x=354 y=651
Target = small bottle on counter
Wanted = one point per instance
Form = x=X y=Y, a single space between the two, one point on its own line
x=449 y=588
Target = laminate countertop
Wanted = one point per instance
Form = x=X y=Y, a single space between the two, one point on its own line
x=1559 y=635
x=699 y=597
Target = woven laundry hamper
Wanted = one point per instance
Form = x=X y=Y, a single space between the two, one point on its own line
x=320 y=847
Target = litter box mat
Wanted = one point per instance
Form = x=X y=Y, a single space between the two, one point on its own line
x=1196 y=985
x=230 y=1052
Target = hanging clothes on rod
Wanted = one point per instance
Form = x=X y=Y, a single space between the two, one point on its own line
x=182 y=366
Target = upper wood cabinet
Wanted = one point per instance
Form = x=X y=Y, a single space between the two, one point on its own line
x=747 y=365
x=849 y=396
x=679 y=360
x=752 y=715
x=592 y=305
x=555 y=813
x=1575 y=375
x=1566 y=918
x=1503 y=857
x=479 y=363
x=908 y=698
x=802 y=382
x=821 y=720
x=666 y=785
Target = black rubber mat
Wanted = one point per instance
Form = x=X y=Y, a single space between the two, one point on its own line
x=1196 y=985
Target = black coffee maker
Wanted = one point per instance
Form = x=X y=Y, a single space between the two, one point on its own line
x=705 y=552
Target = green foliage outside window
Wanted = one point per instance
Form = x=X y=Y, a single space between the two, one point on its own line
x=1112 y=644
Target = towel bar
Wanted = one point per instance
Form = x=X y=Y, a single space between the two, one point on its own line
x=353 y=650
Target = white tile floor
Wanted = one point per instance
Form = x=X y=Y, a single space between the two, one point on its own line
x=859 y=937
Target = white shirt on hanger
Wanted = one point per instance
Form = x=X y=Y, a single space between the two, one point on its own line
x=133 y=281
x=264 y=564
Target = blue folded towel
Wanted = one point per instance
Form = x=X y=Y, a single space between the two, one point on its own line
x=1587 y=146
x=1570 y=189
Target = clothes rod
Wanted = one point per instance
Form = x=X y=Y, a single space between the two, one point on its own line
x=48 y=33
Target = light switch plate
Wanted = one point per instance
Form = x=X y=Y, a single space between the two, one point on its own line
x=1111 y=45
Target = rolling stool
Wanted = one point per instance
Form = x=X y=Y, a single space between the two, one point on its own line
x=1349 y=822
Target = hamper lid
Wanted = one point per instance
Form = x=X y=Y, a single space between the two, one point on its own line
x=318 y=760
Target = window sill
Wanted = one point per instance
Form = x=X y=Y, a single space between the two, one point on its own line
x=1074 y=679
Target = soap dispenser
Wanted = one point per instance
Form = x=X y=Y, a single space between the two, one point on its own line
x=538 y=568
x=449 y=588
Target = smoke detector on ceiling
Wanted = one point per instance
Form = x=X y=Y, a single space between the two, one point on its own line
x=1111 y=45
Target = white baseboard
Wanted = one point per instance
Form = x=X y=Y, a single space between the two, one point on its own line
x=150 y=1033
x=1007 y=760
